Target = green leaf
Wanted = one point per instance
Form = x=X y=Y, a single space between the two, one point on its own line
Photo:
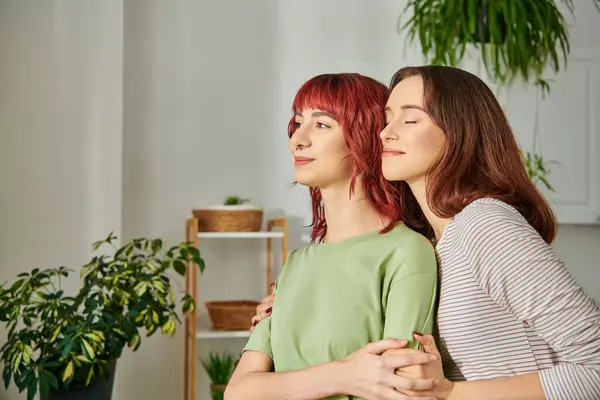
x=55 y=334
x=51 y=379
x=88 y=349
x=141 y=288
x=157 y=245
x=68 y=345
x=6 y=376
x=90 y=375
x=68 y=371
x=44 y=386
x=179 y=267
x=32 y=389
x=17 y=285
x=135 y=342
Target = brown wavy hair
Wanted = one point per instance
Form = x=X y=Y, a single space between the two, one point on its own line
x=480 y=157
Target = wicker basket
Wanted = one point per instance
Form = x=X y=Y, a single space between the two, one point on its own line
x=229 y=219
x=233 y=315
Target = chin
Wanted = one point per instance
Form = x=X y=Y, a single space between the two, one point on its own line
x=303 y=179
x=393 y=170
x=393 y=177
x=393 y=174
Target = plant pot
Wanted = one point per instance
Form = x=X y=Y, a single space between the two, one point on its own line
x=98 y=389
x=217 y=391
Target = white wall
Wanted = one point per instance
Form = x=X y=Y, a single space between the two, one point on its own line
x=202 y=95
x=61 y=122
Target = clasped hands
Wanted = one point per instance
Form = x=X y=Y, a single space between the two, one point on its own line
x=387 y=370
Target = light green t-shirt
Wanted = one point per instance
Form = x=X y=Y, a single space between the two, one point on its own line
x=334 y=298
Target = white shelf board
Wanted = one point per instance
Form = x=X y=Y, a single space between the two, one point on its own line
x=210 y=334
x=240 y=235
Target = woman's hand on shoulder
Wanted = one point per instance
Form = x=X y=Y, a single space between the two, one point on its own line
x=264 y=309
x=370 y=373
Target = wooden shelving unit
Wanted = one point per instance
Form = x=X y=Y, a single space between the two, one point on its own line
x=276 y=230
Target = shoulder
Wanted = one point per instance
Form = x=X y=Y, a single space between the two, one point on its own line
x=496 y=240
x=297 y=259
x=412 y=253
x=297 y=255
x=487 y=218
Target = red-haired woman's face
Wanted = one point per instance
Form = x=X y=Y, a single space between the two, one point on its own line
x=411 y=140
x=319 y=152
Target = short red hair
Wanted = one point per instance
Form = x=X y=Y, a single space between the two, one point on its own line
x=480 y=158
x=357 y=103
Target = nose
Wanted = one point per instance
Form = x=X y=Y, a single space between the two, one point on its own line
x=388 y=135
x=300 y=139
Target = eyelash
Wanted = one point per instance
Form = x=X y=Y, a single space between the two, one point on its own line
x=297 y=125
x=410 y=122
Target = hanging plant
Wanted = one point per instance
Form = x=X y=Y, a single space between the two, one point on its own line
x=516 y=39
x=521 y=39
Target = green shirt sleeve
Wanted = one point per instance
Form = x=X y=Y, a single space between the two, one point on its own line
x=412 y=297
x=260 y=338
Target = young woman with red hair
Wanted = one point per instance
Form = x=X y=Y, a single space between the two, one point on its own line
x=513 y=323
x=364 y=278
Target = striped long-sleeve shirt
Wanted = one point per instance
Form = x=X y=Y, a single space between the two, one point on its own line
x=508 y=306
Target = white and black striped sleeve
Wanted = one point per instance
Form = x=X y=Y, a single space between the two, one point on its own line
x=521 y=273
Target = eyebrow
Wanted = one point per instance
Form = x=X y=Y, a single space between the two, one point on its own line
x=408 y=107
x=316 y=114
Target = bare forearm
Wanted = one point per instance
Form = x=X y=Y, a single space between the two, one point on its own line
x=308 y=384
x=522 y=387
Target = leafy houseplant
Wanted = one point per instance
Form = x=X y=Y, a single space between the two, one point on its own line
x=515 y=39
x=61 y=345
x=219 y=368
x=234 y=201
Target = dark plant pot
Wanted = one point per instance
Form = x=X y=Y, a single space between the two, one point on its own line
x=482 y=30
x=217 y=392
x=98 y=389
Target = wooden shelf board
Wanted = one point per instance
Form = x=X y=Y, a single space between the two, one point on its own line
x=210 y=334
x=240 y=235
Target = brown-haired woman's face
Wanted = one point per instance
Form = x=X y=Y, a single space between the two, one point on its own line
x=411 y=140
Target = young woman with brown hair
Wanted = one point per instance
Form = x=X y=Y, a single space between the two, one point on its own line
x=512 y=321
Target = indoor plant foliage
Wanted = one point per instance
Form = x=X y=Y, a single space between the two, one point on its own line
x=516 y=39
x=235 y=201
x=219 y=368
x=58 y=342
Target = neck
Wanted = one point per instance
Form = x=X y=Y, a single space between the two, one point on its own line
x=437 y=223
x=349 y=216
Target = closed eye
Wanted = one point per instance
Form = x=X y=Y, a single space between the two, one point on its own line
x=410 y=122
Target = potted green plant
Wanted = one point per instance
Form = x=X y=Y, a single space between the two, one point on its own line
x=219 y=368
x=516 y=39
x=235 y=201
x=66 y=347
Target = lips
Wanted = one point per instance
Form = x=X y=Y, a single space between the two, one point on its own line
x=302 y=160
x=391 y=153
